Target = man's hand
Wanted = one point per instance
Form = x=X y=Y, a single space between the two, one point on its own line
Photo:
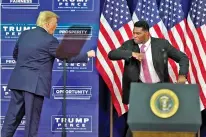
x=181 y=79
x=138 y=56
x=91 y=53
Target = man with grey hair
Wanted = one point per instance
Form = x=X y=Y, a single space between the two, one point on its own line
x=30 y=81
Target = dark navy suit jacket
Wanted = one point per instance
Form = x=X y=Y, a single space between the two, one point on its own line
x=35 y=52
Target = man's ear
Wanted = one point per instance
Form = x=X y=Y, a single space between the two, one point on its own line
x=147 y=33
x=47 y=25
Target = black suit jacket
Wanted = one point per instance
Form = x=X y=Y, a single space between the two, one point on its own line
x=161 y=51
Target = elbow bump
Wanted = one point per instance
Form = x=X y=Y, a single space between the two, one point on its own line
x=109 y=55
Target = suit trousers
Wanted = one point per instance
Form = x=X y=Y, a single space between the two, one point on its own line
x=127 y=131
x=23 y=103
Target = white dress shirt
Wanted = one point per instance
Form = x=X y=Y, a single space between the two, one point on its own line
x=148 y=52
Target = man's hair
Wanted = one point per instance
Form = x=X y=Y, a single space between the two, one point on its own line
x=44 y=17
x=142 y=24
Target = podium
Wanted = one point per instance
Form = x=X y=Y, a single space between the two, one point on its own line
x=164 y=110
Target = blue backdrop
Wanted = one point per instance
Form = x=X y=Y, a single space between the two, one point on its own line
x=79 y=19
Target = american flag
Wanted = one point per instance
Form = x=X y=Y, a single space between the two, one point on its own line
x=147 y=10
x=115 y=28
x=172 y=15
x=176 y=25
x=196 y=43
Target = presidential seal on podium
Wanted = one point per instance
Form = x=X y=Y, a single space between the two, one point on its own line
x=164 y=103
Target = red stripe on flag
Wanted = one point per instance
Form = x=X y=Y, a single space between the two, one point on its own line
x=172 y=39
x=119 y=36
x=110 y=86
x=202 y=97
x=126 y=107
x=172 y=62
x=202 y=39
x=194 y=71
x=196 y=51
x=158 y=31
x=128 y=31
x=111 y=66
x=110 y=43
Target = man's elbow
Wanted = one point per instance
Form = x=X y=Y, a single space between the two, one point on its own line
x=186 y=59
x=185 y=62
x=15 y=57
x=110 y=55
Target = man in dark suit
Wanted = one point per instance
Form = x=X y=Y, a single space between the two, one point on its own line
x=30 y=81
x=146 y=59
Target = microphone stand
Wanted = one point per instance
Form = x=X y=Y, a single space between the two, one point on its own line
x=64 y=102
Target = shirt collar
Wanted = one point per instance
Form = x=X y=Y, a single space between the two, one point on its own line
x=147 y=44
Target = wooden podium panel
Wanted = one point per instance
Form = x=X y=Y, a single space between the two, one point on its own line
x=163 y=134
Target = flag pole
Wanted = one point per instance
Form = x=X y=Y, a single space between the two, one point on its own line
x=198 y=133
x=111 y=118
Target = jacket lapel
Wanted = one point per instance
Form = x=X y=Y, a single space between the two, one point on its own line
x=135 y=47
